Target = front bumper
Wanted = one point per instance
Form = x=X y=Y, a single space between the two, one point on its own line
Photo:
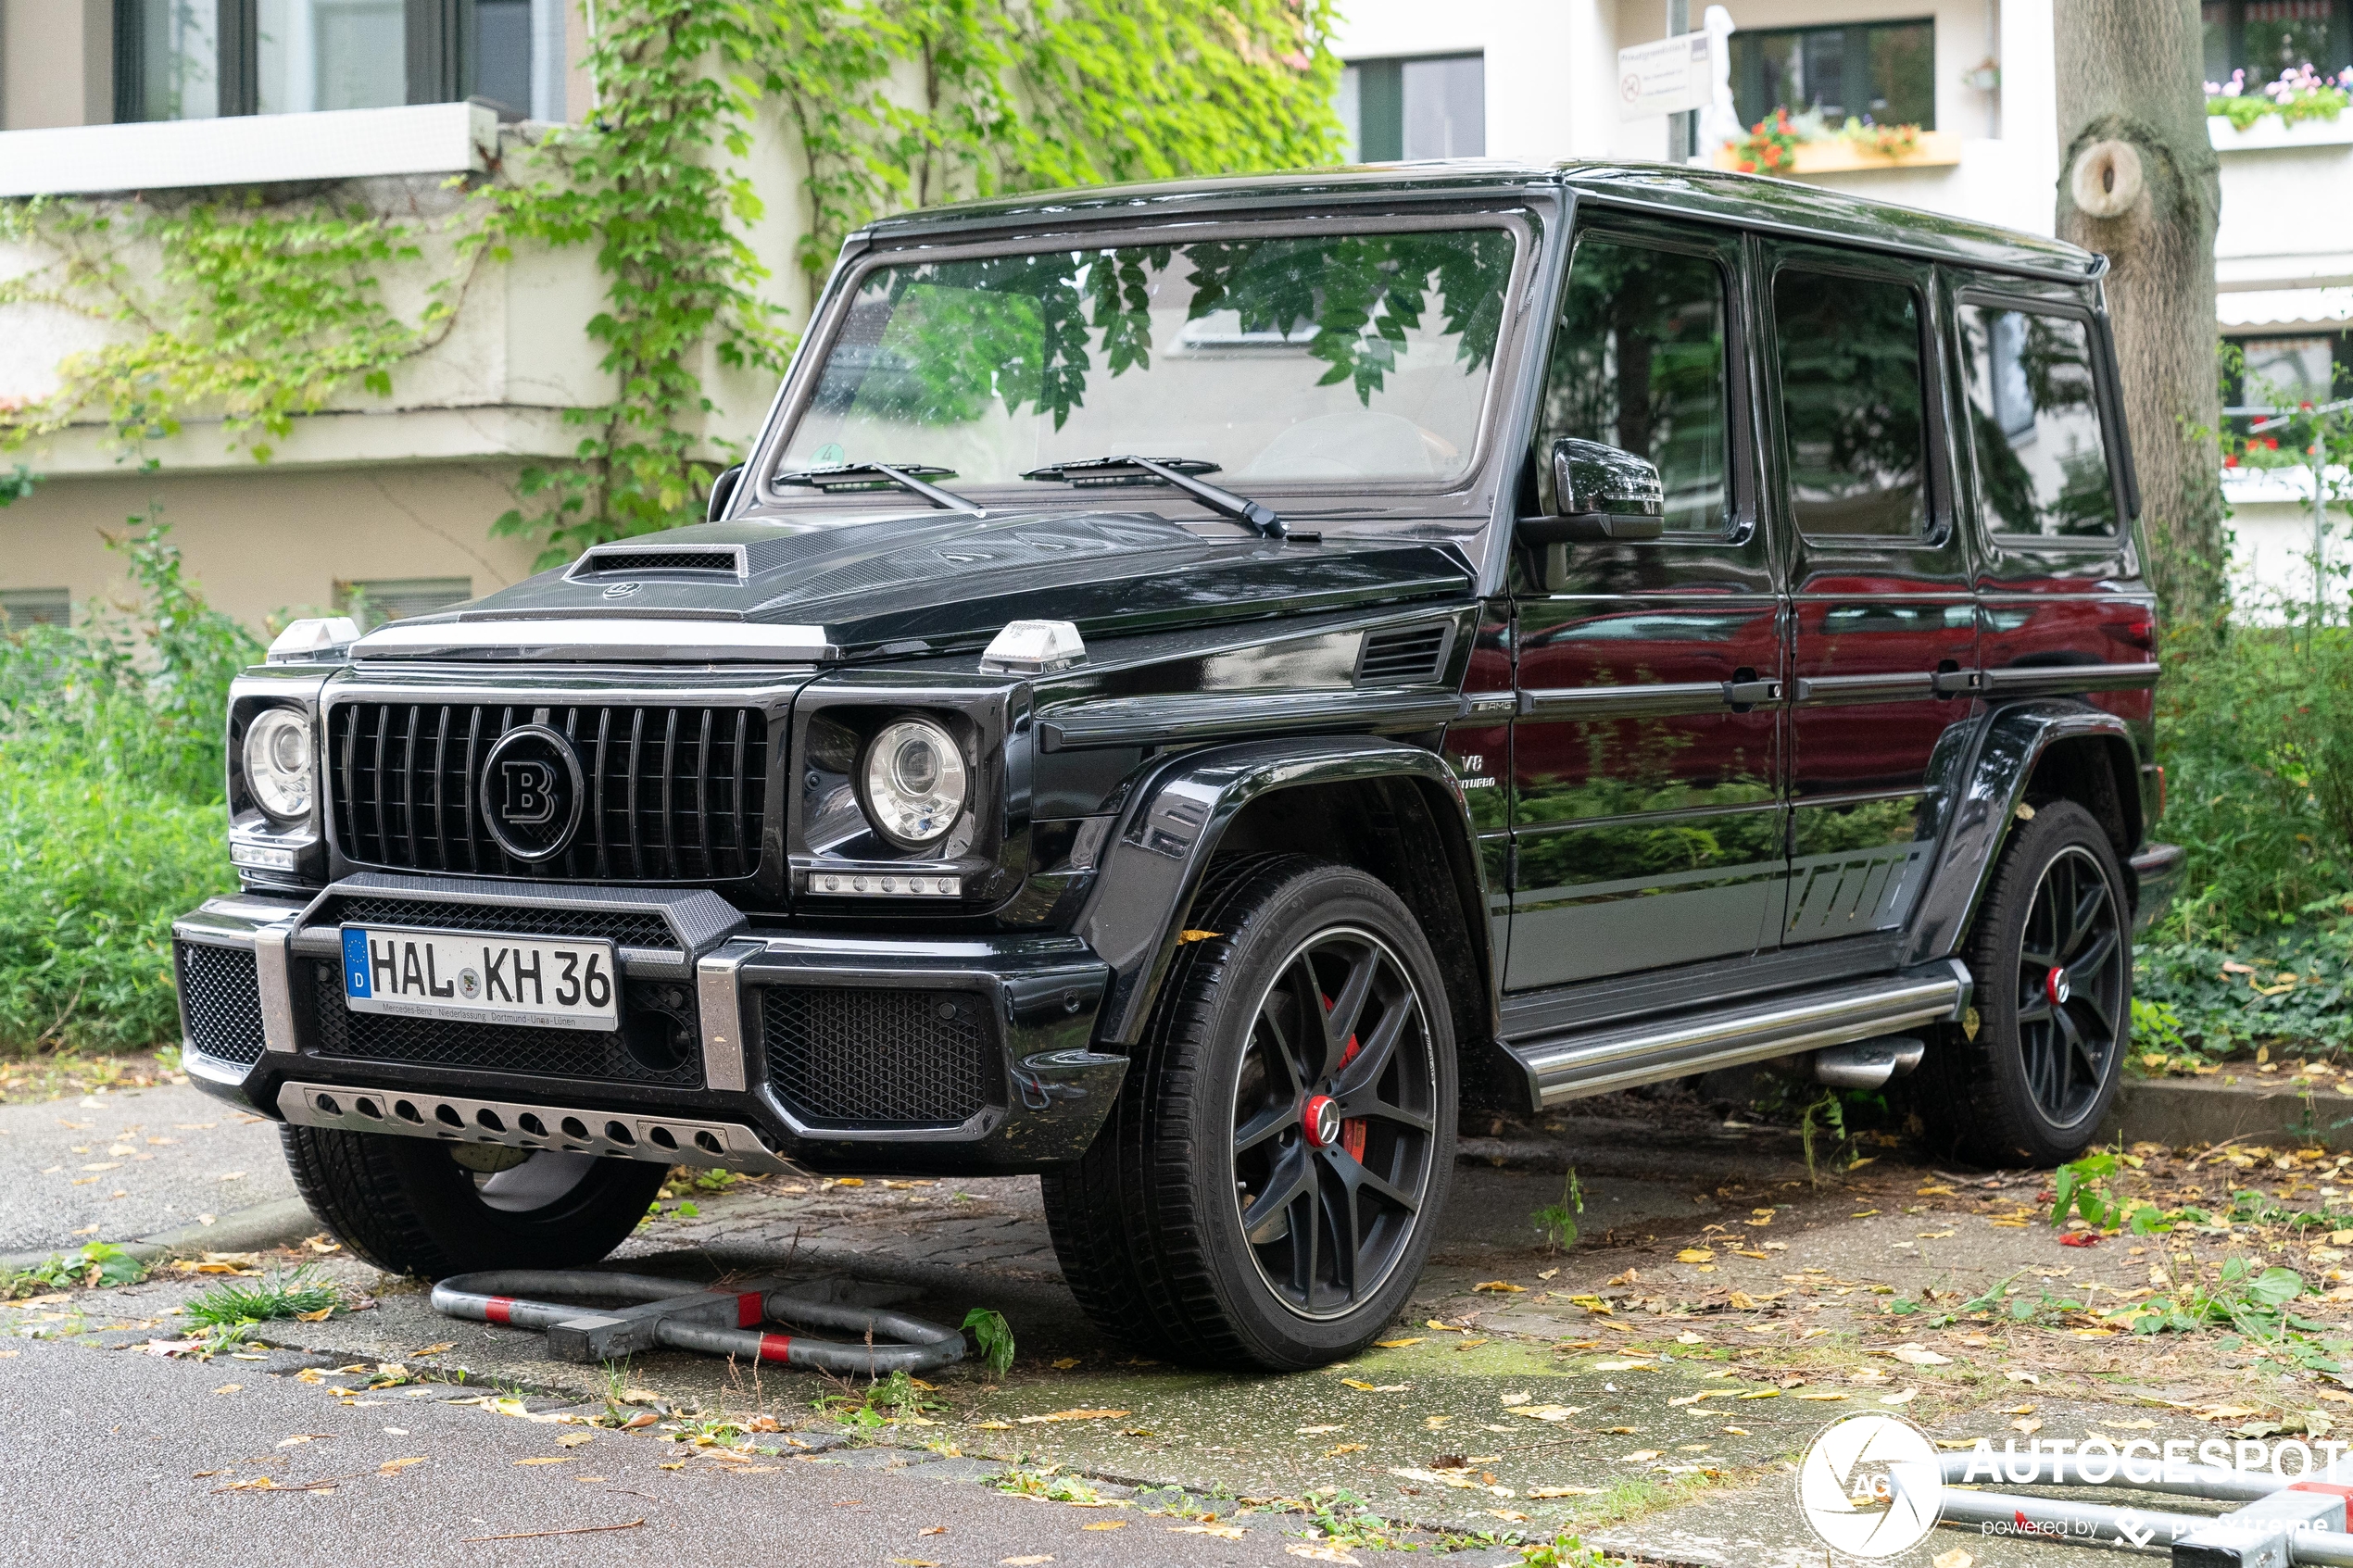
x=951 y=1056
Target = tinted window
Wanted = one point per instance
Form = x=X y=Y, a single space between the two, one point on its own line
x=2041 y=466
x=1638 y=363
x=1851 y=405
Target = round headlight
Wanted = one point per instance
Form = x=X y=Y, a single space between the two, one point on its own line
x=915 y=783
x=278 y=763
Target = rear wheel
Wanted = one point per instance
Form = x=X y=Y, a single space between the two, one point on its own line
x=2052 y=956
x=414 y=1206
x=1265 y=1192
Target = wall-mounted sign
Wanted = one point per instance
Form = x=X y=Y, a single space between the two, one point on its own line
x=1669 y=77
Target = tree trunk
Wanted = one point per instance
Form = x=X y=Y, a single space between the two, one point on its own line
x=2139 y=182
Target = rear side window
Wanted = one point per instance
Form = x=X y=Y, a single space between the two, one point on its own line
x=1852 y=407
x=1639 y=364
x=2035 y=424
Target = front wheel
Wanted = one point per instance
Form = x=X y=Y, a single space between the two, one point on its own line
x=1264 y=1193
x=2052 y=956
x=417 y=1206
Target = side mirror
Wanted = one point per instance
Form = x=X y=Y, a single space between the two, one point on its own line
x=1602 y=493
x=722 y=490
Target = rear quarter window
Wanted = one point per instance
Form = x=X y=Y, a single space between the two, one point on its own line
x=2035 y=434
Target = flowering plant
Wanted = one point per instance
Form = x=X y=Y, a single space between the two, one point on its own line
x=2299 y=94
x=1770 y=147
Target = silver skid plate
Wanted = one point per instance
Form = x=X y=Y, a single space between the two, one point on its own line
x=613 y=1134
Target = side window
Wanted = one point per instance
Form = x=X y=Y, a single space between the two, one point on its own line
x=1639 y=364
x=2035 y=424
x=1853 y=411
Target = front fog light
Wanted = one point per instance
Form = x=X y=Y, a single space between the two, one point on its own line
x=915 y=783
x=278 y=763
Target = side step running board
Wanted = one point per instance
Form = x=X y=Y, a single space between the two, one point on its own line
x=1570 y=1065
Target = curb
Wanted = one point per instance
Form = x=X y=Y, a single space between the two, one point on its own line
x=2179 y=1112
x=274 y=1224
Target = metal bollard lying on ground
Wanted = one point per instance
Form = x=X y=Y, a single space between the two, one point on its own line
x=720 y=1319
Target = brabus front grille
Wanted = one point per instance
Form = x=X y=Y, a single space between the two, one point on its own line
x=673 y=794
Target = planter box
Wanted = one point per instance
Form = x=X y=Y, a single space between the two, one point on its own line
x=2272 y=131
x=1842 y=156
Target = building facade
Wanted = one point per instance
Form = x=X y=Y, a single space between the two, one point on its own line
x=383 y=501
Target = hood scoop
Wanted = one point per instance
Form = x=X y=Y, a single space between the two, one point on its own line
x=605 y=562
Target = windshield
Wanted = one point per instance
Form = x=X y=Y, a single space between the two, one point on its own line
x=1341 y=357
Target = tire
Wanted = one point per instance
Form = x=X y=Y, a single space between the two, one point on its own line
x=413 y=1205
x=2053 y=999
x=1203 y=1225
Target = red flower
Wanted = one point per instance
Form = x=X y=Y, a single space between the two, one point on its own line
x=2232 y=461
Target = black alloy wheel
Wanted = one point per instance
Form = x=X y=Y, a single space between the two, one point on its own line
x=2073 y=977
x=1264 y=1190
x=1332 y=1122
x=2027 y=1078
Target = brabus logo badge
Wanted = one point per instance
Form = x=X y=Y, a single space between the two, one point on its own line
x=531 y=792
x=620 y=590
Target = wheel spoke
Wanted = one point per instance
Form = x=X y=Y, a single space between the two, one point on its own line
x=1337 y=1207
x=1293 y=1177
x=1310 y=1006
x=2094 y=956
x=1373 y=1054
x=2036 y=1008
x=1369 y=1105
x=2062 y=885
x=1361 y=1178
x=2091 y=902
x=1339 y=1021
x=1263 y=1125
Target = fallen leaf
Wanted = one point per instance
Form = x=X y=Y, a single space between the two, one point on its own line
x=228 y=1388
x=394 y=1466
x=434 y=1349
x=1065 y=1363
x=573 y=1440
x=1819 y=1394
x=1083 y=1415
x=1624 y=1366
x=1548 y=1413
x=1501 y=1286
x=1319 y=1431
x=1639 y=1456
x=1223 y=1532
x=1106 y=1525
x=2080 y=1238
x=1395 y=1344
x=1317 y=1552
x=1564 y=1492
x=1957 y=1557
x=1702 y=1393
x=1905 y=1398
x=1345 y=1449
x=1030 y=1561
x=546 y=1459
x=936 y=1530
x=2029 y=1425
x=1914 y=1355
x=1695 y=1255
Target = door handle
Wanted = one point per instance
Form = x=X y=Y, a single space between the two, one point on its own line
x=1744 y=691
x=1959 y=683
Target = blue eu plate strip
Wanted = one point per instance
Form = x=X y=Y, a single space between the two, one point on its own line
x=355 y=964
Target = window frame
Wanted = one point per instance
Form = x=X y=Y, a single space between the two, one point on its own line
x=2234 y=41
x=1393 y=68
x=2104 y=391
x=1724 y=248
x=439 y=68
x=1937 y=532
x=1759 y=34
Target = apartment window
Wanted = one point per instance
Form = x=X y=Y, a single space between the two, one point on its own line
x=395 y=598
x=1432 y=108
x=196 y=59
x=21 y=607
x=2266 y=37
x=1881 y=71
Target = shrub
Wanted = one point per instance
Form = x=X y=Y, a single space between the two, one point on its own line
x=110 y=806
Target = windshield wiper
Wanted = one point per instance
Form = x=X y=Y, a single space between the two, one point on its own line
x=833 y=477
x=1178 y=472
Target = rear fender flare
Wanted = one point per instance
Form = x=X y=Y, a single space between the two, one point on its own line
x=1164 y=843
x=1987 y=783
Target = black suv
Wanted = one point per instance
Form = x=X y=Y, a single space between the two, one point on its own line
x=1197 y=686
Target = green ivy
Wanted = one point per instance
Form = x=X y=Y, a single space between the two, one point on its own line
x=266 y=313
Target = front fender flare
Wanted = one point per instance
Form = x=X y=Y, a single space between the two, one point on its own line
x=1164 y=843
x=1986 y=791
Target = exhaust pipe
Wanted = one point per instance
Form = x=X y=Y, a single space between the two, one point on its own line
x=1867 y=1064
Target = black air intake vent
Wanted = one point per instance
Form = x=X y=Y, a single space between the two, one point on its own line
x=719 y=561
x=1405 y=653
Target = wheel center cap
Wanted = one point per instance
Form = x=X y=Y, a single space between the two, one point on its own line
x=2054 y=985
x=1321 y=1120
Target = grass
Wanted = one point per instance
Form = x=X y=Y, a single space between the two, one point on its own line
x=281 y=1294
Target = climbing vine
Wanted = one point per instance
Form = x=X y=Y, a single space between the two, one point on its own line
x=263 y=314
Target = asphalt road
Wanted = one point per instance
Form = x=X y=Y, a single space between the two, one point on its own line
x=141 y=1459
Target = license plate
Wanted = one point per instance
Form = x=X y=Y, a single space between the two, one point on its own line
x=471 y=977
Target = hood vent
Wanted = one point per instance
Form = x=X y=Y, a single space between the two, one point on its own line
x=623 y=560
x=1404 y=655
